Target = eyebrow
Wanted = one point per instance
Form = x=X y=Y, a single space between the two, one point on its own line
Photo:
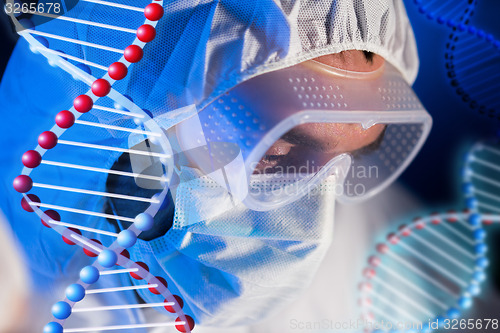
x=369 y=56
x=304 y=140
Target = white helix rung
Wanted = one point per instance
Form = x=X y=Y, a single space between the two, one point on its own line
x=123 y=307
x=452 y=244
x=486 y=180
x=121 y=150
x=71 y=40
x=118 y=289
x=97 y=193
x=122 y=327
x=88 y=244
x=480 y=78
x=469 y=57
x=487 y=195
x=492 y=218
x=64 y=55
x=126 y=113
x=463 y=223
x=394 y=308
x=70 y=225
x=482 y=177
x=490 y=207
x=473 y=45
x=492 y=150
x=383 y=314
x=75 y=20
x=117 y=5
x=459 y=234
x=115 y=172
x=403 y=296
x=413 y=286
x=433 y=264
x=484 y=58
x=421 y=273
x=119 y=271
x=447 y=9
x=84 y=212
x=443 y=254
x=117 y=128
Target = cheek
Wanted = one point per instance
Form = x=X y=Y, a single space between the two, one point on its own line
x=356 y=137
x=340 y=138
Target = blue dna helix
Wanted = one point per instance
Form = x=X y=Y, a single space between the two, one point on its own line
x=472 y=56
x=427 y=272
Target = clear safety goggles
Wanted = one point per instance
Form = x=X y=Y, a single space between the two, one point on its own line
x=276 y=137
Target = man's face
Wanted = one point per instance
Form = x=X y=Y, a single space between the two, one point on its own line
x=323 y=141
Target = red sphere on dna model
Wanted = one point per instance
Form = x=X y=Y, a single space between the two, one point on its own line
x=83 y=103
x=65 y=119
x=452 y=218
x=136 y=276
x=369 y=273
x=419 y=224
x=47 y=140
x=436 y=219
x=382 y=248
x=158 y=280
x=117 y=70
x=405 y=231
x=31 y=159
x=170 y=308
x=125 y=253
x=26 y=206
x=146 y=33
x=91 y=252
x=133 y=53
x=181 y=328
x=67 y=238
x=23 y=183
x=51 y=215
x=365 y=286
x=393 y=239
x=153 y=12
x=374 y=261
x=101 y=87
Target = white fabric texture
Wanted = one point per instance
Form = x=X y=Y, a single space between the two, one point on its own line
x=235 y=266
x=332 y=296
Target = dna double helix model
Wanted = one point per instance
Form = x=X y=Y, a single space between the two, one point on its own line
x=60 y=174
x=472 y=55
x=428 y=271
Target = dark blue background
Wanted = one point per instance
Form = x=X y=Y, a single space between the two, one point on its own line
x=435 y=175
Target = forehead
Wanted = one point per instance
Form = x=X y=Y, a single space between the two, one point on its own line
x=353 y=60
